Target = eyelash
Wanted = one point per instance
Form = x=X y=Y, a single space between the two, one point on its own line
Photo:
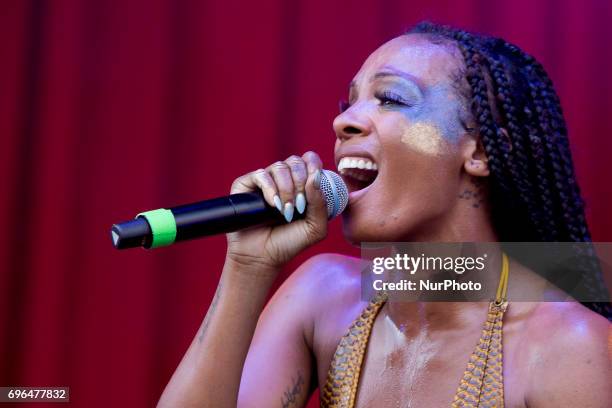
x=386 y=98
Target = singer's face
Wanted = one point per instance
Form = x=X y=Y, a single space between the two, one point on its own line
x=404 y=111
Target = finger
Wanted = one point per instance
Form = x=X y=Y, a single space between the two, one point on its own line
x=313 y=162
x=258 y=179
x=299 y=174
x=281 y=174
x=317 y=208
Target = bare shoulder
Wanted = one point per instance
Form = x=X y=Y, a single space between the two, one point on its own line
x=326 y=279
x=322 y=281
x=324 y=294
x=569 y=356
x=280 y=356
x=558 y=325
x=325 y=272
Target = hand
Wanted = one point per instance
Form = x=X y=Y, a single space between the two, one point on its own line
x=289 y=186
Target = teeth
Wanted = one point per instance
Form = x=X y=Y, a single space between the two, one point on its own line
x=356 y=163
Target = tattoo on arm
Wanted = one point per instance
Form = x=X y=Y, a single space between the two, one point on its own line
x=211 y=311
x=293 y=395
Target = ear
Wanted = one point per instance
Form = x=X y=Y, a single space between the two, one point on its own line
x=475 y=159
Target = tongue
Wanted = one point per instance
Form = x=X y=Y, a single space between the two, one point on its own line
x=362 y=174
x=358 y=179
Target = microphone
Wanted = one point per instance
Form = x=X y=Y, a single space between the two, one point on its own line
x=162 y=227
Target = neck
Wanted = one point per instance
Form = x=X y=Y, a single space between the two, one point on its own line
x=446 y=315
x=464 y=222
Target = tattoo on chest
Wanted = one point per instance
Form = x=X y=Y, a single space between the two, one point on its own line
x=293 y=395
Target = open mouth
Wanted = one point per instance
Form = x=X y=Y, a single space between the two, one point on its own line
x=357 y=172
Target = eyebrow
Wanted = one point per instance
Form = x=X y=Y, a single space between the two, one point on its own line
x=388 y=71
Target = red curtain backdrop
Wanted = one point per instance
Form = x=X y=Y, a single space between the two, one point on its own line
x=108 y=108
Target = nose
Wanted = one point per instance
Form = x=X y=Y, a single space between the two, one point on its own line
x=351 y=122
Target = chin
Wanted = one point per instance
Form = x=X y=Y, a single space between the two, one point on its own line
x=352 y=233
x=364 y=226
x=357 y=230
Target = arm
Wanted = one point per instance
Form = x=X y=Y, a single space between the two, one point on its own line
x=209 y=373
x=279 y=368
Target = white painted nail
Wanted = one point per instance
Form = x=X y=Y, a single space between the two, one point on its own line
x=300 y=203
x=278 y=203
x=288 y=212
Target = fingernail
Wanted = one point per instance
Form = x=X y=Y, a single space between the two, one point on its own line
x=278 y=203
x=288 y=212
x=317 y=180
x=300 y=203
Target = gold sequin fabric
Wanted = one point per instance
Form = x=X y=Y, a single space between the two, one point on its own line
x=343 y=376
x=482 y=383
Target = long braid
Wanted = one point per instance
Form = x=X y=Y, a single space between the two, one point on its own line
x=521 y=168
x=540 y=142
x=495 y=150
x=557 y=146
x=534 y=193
x=575 y=214
x=556 y=142
x=559 y=172
x=572 y=205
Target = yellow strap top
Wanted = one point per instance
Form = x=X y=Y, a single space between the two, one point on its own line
x=482 y=384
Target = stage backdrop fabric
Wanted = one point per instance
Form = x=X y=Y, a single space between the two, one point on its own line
x=109 y=108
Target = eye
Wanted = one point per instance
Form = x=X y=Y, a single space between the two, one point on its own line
x=387 y=98
x=343 y=105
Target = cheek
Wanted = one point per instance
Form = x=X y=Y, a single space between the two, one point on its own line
x=418 y=154
x=441 y=116
x=417 y=183
x=422 y=172
x=425 y=138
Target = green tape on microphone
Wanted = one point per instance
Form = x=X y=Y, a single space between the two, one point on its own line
x=163 y=226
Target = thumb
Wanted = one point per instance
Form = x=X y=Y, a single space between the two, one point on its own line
x=316 y=209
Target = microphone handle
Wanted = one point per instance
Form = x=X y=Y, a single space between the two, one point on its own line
x=208 y=217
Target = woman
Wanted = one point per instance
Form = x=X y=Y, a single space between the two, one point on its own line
x=433 y=114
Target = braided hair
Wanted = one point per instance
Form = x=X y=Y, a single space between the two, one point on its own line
x=533 y=190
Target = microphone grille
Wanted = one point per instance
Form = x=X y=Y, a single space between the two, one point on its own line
x=334 y=192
